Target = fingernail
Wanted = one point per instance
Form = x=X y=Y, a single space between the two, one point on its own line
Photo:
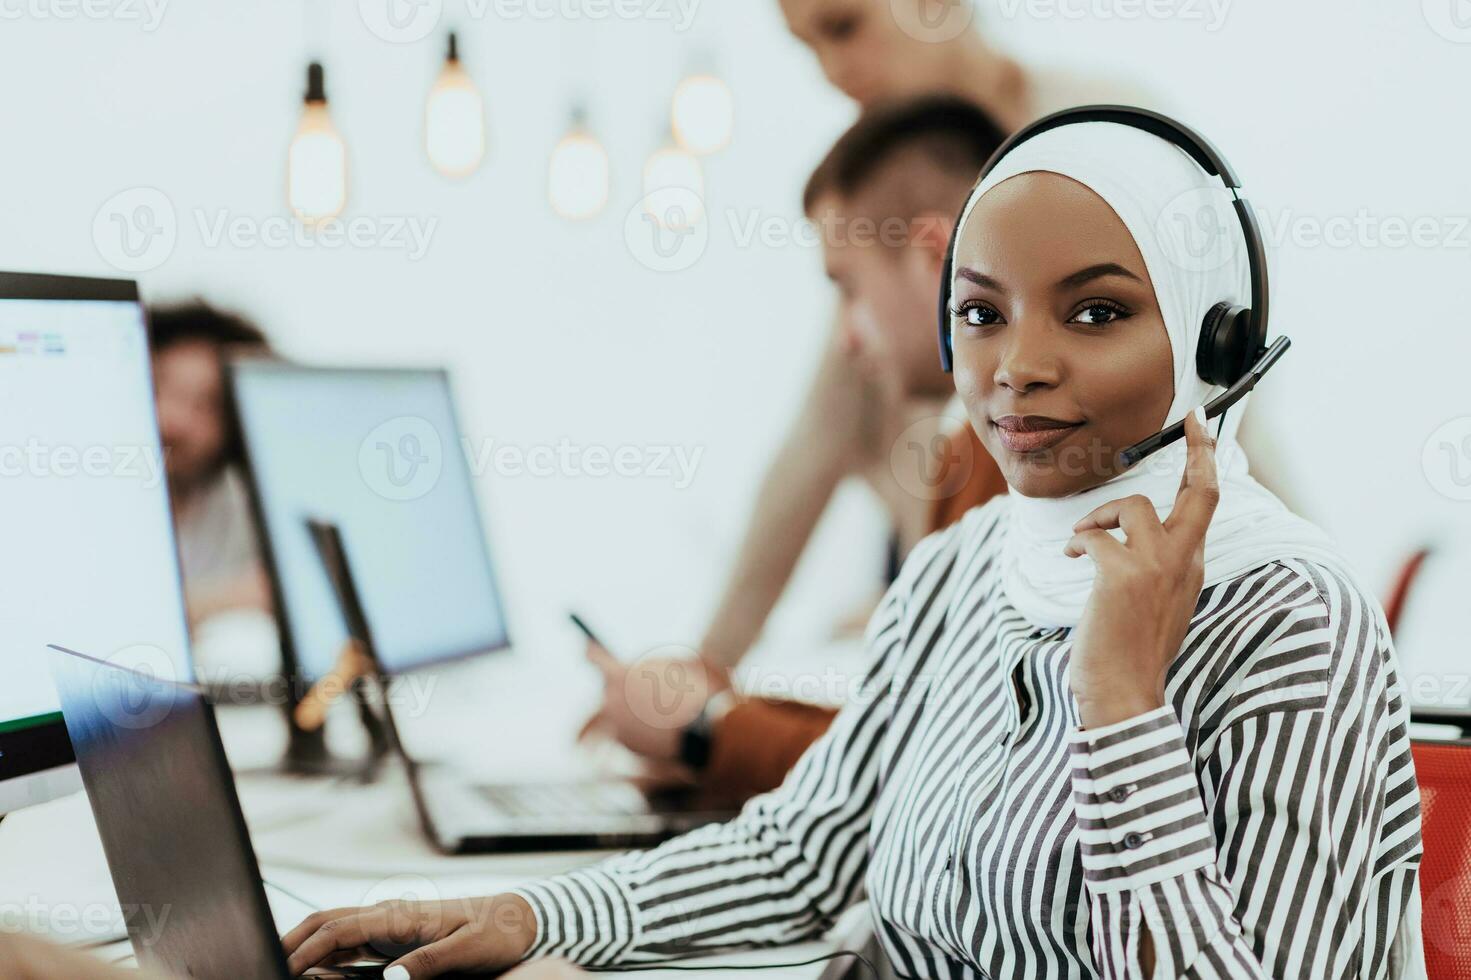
x=396 y=972
x=1199 y=414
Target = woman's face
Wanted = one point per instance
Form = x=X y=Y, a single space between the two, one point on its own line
x=1061 y=353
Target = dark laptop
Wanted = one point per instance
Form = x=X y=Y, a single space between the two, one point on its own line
x=176 y=842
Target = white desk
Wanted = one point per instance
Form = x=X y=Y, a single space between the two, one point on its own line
x=337 y=844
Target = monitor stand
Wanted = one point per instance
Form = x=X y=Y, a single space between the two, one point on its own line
x=307 y=753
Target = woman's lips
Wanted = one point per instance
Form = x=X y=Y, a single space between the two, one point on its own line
x=1032 y=433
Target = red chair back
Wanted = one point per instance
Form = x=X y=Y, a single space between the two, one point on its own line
x=1444 y=773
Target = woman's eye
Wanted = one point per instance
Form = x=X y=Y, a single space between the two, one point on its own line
x=976 y=315
x=1097 y=314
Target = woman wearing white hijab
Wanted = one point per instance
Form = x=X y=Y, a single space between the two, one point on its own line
x=1118 y=724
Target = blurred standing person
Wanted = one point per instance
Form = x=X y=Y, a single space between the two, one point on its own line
x=885 y=197
x=863 y=399
x=881 y=50
x=202 y=453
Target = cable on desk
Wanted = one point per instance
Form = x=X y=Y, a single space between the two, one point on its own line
x=368 y=874
x=291 y=894
x=740 y=966
x=99 y=942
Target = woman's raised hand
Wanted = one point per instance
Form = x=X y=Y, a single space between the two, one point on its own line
x=1145 y=591
x=466 y=935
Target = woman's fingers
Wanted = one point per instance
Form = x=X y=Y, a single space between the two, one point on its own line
x=1199 y=489
x=310 y=925
x=457 y=951
x=1096 y=544
x=398 y=924
x=1135 y=515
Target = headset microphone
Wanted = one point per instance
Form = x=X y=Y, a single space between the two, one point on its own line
x=1216 y=406
x=1232 y=352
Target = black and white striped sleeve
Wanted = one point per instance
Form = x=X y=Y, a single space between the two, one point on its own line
x=780 y=872
x=1275 y=833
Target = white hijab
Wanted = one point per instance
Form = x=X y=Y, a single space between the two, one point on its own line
x=1185 y=227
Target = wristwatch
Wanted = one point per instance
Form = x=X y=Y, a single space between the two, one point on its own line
x=697 y=739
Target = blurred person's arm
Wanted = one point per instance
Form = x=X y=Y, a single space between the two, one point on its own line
x=757 y=742
x=27 y=958
x=831 y=439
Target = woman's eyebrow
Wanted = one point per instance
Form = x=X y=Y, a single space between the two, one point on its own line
x=1093 y=272
x=979 y=278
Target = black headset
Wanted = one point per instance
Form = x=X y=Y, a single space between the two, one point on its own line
x=1233 y=352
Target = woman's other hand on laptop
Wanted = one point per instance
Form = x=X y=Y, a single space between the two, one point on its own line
x=423 y=939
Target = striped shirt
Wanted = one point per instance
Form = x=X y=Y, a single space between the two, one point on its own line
x=1264 y=823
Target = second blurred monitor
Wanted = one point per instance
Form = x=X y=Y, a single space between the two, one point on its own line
x=378 y=453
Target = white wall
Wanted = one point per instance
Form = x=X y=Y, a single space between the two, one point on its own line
x=554 y=330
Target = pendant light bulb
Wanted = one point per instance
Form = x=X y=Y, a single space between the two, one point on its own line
x=577 y=174
x=674 y=188
x=454 y=119
x=316 y=169
x=703 y=114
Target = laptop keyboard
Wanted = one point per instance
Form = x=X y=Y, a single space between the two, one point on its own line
x=562 y=800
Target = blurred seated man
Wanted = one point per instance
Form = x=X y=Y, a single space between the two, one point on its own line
x=884 y=201
x=202 y=455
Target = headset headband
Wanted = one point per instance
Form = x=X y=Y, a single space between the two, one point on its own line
x=1171 y=131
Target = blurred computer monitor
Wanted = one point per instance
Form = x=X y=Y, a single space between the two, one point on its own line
x=88 y=558
x=379 y=454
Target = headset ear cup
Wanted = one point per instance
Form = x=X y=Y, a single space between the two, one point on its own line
x=1228 y=344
